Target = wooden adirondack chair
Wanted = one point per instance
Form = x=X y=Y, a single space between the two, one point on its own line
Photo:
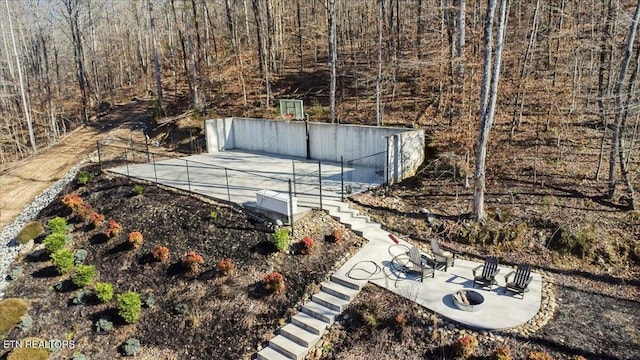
x=419 y=266
x=521 y=280
x=442 y=257
x=489 y=271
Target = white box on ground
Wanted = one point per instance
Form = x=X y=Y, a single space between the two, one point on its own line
x=275 y=201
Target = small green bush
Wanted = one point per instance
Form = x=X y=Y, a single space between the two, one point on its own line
x=131 y=347
x=79 y=256
x=30 y=232
x=83 y=177
x=138 y=189
x=82 y=297
x=281 y=239
x=213 y=214
x=103 y=325
x=63 y=260
x=26 y=323
x=15 y=272
x=104 y=291
x=129 y=306
x=11 y=311
x=83 y=275
x=57 y=225
x=54 y=242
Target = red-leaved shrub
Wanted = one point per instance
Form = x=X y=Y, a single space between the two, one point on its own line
x=191 y=261
x=113 y=229
x=161 y=253
x=274 y=282
x=135 y=239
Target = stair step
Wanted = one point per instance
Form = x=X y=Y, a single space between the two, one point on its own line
x=339 y=290
x=299 y=335
x=332 y=302
x=288 y=347
x=320 y=312
x=270 y=353
x=309 y=323
x=350 y=283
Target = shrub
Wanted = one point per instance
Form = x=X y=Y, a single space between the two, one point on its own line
x=11 y=311
x=539 y=355
x=465 y=346
x=370 y=319
x=54 y=242
x=135 y=239
x=84 y=212
x=226 y=266
x=79 y=256
x=191 y=261
x=96 y=219
x=83 y=275
x=73 y=201
x=281 y=239
x=63 y=260
x=336 y=235
x=131 y=347
x=129 y=306
x=104 y=291
x=274 y=282
x=15 y=272
x=26 y=323
x=306 y=245
x=29 y=232
x=82 y=297
x=83 y=177
x=78 y=356
x=113 y=229
x=400 y=321
x=57 y=225
x=138 y=189
x=501 y=353
x=161 y=253
x=29 y=353
x=213 y=214
x=103 y=325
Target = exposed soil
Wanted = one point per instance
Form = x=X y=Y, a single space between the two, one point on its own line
x=27 y=178
x=225 y=317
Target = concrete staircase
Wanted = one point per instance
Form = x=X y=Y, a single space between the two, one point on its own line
x=307 y=327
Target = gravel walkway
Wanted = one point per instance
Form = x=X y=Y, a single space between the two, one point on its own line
x=9 y=248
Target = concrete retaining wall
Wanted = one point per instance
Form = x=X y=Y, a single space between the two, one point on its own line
x=398 y=151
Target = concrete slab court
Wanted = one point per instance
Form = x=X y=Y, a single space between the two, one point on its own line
x=236 y=176
x=397 y=152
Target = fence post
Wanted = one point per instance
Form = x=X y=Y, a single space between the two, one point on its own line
x=320 y=181
x=126 y=162
x=188 y=177
x=155 y=172
x=226 y=176
x=341 y=178
x=146 y=143
x=290 y=208
x=386 y=173
x=293 y=165
x=99 y=159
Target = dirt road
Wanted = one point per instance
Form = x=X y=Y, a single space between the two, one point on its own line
x=23 y=182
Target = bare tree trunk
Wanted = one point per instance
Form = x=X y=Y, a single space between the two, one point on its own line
x=618 y=129
x=156 y=61
x=333 y=58
x=72 y=8
x=23 y=94
x=488 y=95
x=379 y=75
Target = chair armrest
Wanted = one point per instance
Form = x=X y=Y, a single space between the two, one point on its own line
x=506 y=277
x=528 y=281
x=453 y=252
x=475 y=269
x=493 y=274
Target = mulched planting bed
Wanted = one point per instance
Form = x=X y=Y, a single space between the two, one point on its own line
x=186 y=315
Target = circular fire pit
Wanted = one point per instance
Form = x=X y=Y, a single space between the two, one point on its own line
x=468 y=300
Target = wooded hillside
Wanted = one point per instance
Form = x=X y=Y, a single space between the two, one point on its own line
x=565 y=65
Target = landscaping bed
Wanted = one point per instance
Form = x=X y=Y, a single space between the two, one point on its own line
x=184 y=314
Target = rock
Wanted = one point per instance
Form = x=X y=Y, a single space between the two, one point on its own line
x=451 y=326
x=317 y=353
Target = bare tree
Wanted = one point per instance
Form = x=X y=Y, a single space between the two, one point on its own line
x=617 y=141
x=23 y=94
x=156 y=61
x=488 y=95
x=333 y=58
